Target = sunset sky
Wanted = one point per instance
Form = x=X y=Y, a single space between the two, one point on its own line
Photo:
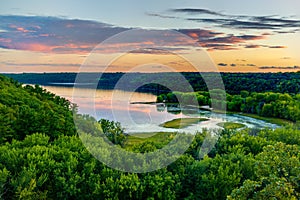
x=235 y=35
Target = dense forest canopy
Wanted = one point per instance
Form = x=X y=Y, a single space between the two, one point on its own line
x=234 y=82
x=42 y=157
x=267 y=104
x=31 y=109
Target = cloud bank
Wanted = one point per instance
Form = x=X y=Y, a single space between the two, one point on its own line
x=60 y=35
x=281 y=24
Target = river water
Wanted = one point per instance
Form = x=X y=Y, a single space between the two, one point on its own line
x=117 y=105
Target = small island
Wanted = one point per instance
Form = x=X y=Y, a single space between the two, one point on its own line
x=182 y=122
x=231 y=125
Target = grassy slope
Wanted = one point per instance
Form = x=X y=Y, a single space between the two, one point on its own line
x=231 y=125
x=277 y=121
x=272 y=120
x=157 y=137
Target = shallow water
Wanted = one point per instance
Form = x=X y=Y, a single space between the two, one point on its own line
x=135 y=118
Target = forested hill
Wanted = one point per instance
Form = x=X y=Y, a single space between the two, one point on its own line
x=234 y=82
x=42 y=157
x=27 y=110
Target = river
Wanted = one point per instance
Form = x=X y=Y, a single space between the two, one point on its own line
x=137 y=118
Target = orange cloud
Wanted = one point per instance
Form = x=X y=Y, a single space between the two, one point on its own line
x=22 y=30
x=32 y=47
x=55 y=35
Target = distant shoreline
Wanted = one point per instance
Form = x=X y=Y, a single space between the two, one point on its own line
x=234 y=83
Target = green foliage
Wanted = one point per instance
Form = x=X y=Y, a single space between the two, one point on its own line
x=267 y=104
x=147 y=142
x=277 y=169
x=182 y=122
x=288 y=135
x=231 y=125
x=249 y=144
x=113 y=131
x=242 y=165
x=27 y=110
x=42 y=157
x=4 y=176
x=235 y=83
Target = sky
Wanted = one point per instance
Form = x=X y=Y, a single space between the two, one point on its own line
x=152 y=36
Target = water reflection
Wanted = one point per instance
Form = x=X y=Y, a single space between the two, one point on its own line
x=143 y=117
x=176 y=109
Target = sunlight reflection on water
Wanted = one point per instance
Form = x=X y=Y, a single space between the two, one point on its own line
x=136 y=118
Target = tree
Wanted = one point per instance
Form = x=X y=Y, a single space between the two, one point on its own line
x=267 y=110
x=244 y=94
x=113 y=131
x=277 y=171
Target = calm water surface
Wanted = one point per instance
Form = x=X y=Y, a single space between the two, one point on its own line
x=115 y=105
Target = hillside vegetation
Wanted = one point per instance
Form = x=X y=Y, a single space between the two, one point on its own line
x=43 y=157
x=266 y=104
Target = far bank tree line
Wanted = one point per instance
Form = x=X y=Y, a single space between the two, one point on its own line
x=42 y=156
x=267 y=104
x=234 y=82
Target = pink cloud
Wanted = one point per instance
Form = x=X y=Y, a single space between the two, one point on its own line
x=55 y=35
